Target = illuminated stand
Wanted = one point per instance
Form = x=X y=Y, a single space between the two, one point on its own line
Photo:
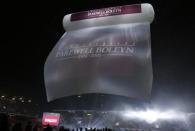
x=104 y=51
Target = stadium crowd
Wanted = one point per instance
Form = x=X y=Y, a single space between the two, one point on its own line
x=7 y=125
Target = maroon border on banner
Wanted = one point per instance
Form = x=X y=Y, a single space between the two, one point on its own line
x=119 y=10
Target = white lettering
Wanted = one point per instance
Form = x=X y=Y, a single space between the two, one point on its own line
x=50 y=120
x=97 y=49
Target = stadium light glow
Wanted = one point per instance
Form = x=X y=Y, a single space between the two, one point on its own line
x=149 y=116
x=152 y=116
x=157 y=126
x=89 y=114
x=79 y=122
x=117 y=124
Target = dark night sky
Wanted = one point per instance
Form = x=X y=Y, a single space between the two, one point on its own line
x=30 y=31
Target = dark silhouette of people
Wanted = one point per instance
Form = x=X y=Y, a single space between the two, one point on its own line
x=61 y=128
x=48 y=128
x=4 y=125
x=28 y=126
x=36 y=127
x=17 y=127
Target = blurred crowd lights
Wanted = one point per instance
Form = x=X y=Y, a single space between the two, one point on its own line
x=14 y=99
x=20 y=98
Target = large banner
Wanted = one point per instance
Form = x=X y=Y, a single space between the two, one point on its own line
x=109 y=59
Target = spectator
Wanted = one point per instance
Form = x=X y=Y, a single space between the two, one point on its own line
x=36 y=127
x=61 y=128
x=4 y=126
x=28 y=126
x=48 y=128
x=17 y=127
